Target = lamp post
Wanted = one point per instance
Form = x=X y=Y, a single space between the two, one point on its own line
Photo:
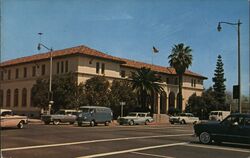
x=50 y=73
x=239 y=78
x=122 y=104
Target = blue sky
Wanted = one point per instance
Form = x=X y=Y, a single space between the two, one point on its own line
x=129 y=29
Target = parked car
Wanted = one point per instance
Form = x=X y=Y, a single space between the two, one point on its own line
x=218 y=115
x=183 y=118
x=234 y=128
x=62 y=116
x=8 y=119
x=93 y=115
x=136 y=118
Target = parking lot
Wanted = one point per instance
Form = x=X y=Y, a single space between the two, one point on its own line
x=71 y=141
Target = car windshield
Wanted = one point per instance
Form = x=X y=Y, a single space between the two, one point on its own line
x=214 y=113
x=132 y=114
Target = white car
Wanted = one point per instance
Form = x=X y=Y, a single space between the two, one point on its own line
x=184 y=118
x=8 y=119
x=136 y=118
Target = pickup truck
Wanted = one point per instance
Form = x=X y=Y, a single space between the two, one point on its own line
x=184 y=118
x=62 y=116
x=8 y=119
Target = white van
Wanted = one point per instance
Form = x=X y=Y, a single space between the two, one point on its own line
x=218 y=115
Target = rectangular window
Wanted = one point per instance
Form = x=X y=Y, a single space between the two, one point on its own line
x=9 y=74
x=167 y=80
x=62 y=67
x=57 y=67
x=176 y=81
x=66 y=66
x=123 y=73
x=103 y=68
x=17 y=73
x=43 y=69
x=1 y=75
x=33 y=71
x=97 y=67
x=24 y=72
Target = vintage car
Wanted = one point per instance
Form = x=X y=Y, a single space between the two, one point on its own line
x=183 y=118
x=94 y=115
x=62 y=116
x=134 y=118
x=8 y=119
x=235 y=128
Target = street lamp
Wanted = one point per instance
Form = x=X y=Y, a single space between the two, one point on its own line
x=239 y=78
x=50 y=74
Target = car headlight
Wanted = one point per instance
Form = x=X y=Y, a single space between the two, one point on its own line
x=80 y=115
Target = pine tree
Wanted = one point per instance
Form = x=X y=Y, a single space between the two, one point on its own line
x=219 y=86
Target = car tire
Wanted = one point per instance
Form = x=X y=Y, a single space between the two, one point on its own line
x=46 y=122
x=20 y=125
x=183 y=122
x=92 y=123
x=205 y=138
x=147 y=122
x=172 y=122
x=71 y=123
x=79 y=123
x=131 y=123
x=106 y=123
x=56 y=122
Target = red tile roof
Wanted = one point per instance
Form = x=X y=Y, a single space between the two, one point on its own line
x=83 y=50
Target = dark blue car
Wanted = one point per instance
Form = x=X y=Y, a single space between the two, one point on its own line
x=234 y=128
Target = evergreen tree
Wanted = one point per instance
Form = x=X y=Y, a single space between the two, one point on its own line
x=219 y=86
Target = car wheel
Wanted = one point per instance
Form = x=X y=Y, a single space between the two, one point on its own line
x=106 y=123
x=183 y=122
x=92 y=123
x=146 y=122
x=20 y=125
x=46 y=122
x=172 y=122
x=56 y=122
x=79 y=123
x=71 y=123
x=131 y=123
x=205 y=138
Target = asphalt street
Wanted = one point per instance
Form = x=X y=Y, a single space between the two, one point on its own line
x=71 y=141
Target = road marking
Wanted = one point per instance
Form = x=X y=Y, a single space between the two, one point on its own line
x=151 y=155
x=218 y=148
x=132 y=150
x=92 y=141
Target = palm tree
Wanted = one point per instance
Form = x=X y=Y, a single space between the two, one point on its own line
x=180 y=59
x=145 y=85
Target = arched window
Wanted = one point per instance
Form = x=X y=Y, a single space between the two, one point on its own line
x=24 y=97
x=8 y=96
x=16 y=97
x=1 y=98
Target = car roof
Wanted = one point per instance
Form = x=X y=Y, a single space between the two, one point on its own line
x=3 y=110
x=95 y=107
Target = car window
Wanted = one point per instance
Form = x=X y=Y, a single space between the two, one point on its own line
x=6 y=113
x=132 y=114
x=84 y=110
x=247 y=121
x=234 y=119
x=213 y=113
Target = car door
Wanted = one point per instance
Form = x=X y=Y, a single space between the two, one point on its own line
x=245 y=131
x=232 y=128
